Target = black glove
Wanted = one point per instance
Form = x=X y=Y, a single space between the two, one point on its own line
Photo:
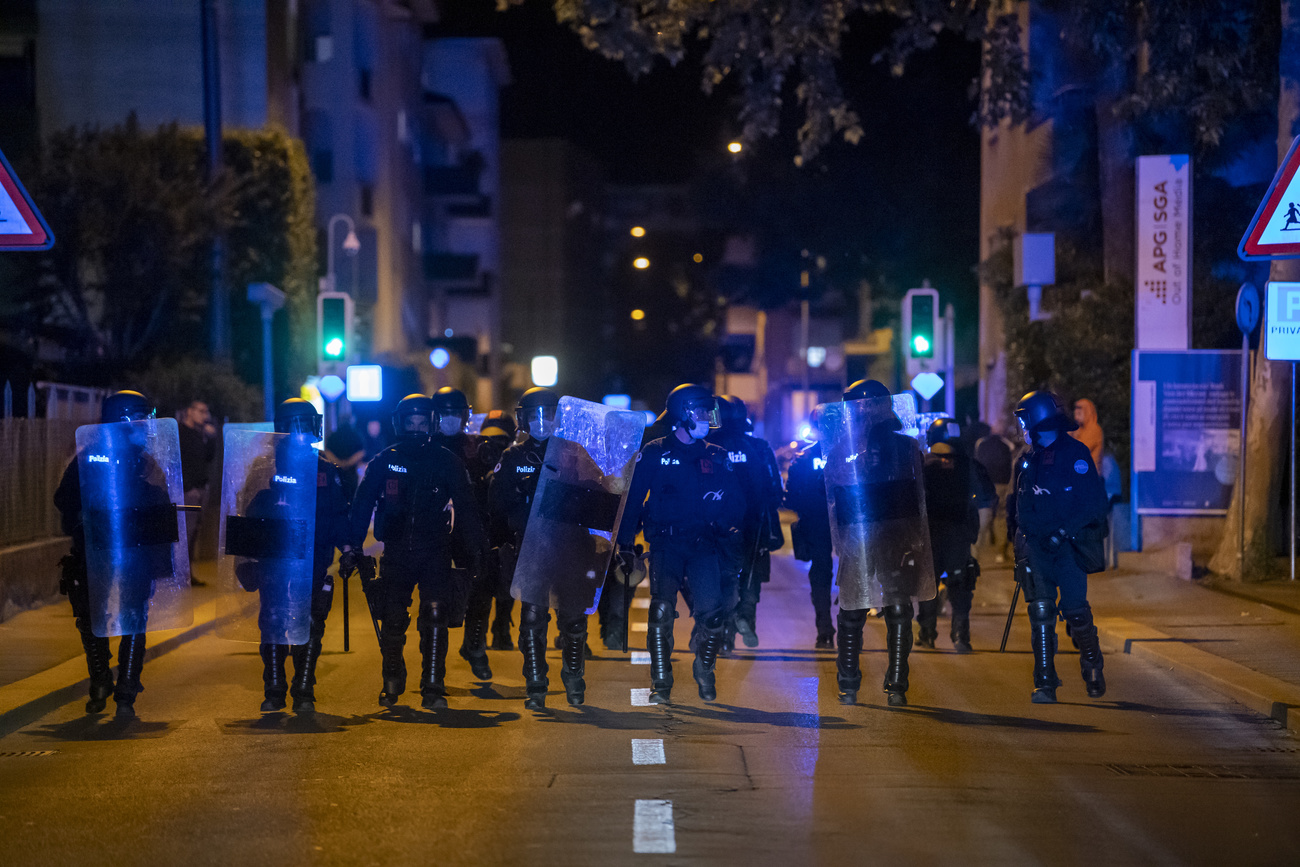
x=348 y=563
x=1054 y=541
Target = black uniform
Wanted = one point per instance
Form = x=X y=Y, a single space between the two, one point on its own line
x=510 y=501
x=479 y=457
x=418 y=492
x=952 y=509
x=690 y=503
x=1058 y=504
x=806 y=495
x=332 y=530
x=760 y=481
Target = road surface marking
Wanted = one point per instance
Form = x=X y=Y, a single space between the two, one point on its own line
x=641 y=602
x=640 y=627
x=640 y=657
x=648 y=751
x=640 y=698
x=652 y=829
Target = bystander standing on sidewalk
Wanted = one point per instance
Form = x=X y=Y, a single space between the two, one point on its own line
x=1089 y=432
x=198 y=438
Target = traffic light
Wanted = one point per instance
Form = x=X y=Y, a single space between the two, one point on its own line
x=923 y=333
x=333 y=331
x=923 y=316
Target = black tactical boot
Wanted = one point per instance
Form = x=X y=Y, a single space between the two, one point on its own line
x=1042 y=635
x=745 y=625
x=1084 y=632
x=848 y=671
x=575 y=642
x=898 y=637
x=659 y=641
x=706 y=656
x=825 y=631
x=474 y=646
x=927 y=617
x=274 y=684
x=303 y=686
x=393 y=662
x=99 y=663
x=501 y=638
x=532 y=644
x=130 y=663
x=960 y=633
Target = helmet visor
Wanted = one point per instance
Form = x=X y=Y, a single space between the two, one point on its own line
x=305 y=424
x=705 y=413
x=539 y=421
x=415 y=423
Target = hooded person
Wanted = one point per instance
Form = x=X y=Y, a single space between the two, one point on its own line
x=1089 y=432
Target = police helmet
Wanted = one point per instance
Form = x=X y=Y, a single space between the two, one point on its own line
x=409 y=410
x=942 y=430
x=126 y=406
x=865 y=388
x=537 y=410
x=689 y=401
x=734 y=415
x=498 y=423
x=1040 y=411
x=296 y=415
x=449 y=405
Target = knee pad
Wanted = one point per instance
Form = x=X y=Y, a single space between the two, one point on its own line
x=1078 y=616
x=855 y=618
x=661 y=613
x=433 y=614
x=533 y=616
x=1042 y=611
x=714 y=621
x=898 y=613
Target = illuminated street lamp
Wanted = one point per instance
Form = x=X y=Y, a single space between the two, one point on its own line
x=351 y=246
x=640 y=263
x=735 y=147
x=545 y=370
x=638 y=231
x=638 y=314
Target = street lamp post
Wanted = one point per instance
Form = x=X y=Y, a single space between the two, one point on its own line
x=351 y=246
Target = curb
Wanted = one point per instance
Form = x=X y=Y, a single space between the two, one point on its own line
x=33 y=697
x=1269 y=696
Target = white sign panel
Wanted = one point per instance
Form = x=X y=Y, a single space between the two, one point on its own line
x=1282 y=322
x=1164 y=252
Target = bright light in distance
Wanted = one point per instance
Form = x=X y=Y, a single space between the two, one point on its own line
x=920 y=343
x=618 y=401
x=331 y=387
x=805 y=432
x=334 y=348
x=365 y=382
x=640 y=263
x=734 y=147
x=816 y=356
x=638 y=314
x=638 y=231
x=440 y=358
x=698 y=257
x=546 y=370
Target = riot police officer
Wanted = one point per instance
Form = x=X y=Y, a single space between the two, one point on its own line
x=123 y=406
x=453 y=411
x=299 y=418
x=1057 y=511
x=685 y=492
x=495 y=436
x=877 y=496
x=953 y=513
x=418 y=492
x=810 y=536
x=510 y=500
x=760 y=480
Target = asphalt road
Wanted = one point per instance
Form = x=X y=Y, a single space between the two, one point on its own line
x=775 y=772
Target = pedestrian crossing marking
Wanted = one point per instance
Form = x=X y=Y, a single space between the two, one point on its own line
x=652 y=828
x=640 y=698
x=648 y=751
x=640 y=657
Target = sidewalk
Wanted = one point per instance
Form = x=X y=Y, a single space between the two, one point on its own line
x=1239 y=640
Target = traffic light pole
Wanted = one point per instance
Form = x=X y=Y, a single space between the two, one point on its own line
x=949 y=362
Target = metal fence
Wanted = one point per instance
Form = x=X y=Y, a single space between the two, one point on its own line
x=56 y=400
x=33 y=455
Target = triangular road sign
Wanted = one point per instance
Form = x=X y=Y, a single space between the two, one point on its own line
x=1274 y=233
x=21 y=225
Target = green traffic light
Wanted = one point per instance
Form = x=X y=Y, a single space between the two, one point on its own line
x=920 y=344
x=334 y=348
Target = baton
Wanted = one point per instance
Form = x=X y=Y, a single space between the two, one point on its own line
x=347 y=648
x=1015 y=597
x=627 y=578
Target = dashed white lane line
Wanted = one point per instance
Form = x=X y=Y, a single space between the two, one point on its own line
x=640 y=698
x=640 y=657
x=641 y=602
x=648 y=751
x=652 y=828
x=639 y=627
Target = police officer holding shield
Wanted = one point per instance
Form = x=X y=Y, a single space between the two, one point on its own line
x=810 y=536
x=876 y=497
x=756 y=470
x=953 y=510
x=453 y=411
x=128 y=570
x=418 y=493
x=691 y=504
x=1057 y=512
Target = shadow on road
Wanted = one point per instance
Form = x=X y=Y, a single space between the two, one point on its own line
x=1140 y=707
x=101 y=727
x=753 y=716
x=952 y=716
x=489 y=691
x=450 y=718
x=602 y=718
x=284 y=723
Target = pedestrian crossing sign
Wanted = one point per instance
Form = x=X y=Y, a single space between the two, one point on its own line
x=21 y=225
x=1274 y=232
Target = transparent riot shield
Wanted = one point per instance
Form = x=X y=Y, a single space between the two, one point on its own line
x=268 y=525
x=876 y=496
x=905 y=408
x=579 y=502
x=475 y=423
x=137 y=563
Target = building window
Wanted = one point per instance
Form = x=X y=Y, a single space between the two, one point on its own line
x=363 y=84
x=367 y=200
x=318 y=133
